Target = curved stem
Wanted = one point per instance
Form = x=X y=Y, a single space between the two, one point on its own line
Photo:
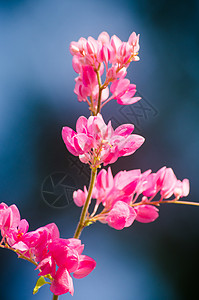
x=109 y=99
x=166 y=201
x=179 y=202
x=81 y=223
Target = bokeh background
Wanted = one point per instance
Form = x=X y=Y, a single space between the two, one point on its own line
x=158 y=261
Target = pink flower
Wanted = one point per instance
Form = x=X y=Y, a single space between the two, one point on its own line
x=167 y=183
x=103 y=185
x=97 y=143
x=127 y=181
x=10 y=218
x=67 y=256
x=123 y=92
x=92 y=56
x=17 y=236
x=121 y=215
x=39 y=245
x=181 y=188
x=64 y=256
x=109 y=190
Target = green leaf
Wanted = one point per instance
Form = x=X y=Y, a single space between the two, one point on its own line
x=40 y=282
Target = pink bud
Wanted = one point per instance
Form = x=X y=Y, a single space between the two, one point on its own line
x=146 y=213
x=79 y=197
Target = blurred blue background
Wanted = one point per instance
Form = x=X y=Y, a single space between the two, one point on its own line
x=143 y=262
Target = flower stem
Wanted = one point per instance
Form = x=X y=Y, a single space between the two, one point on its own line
x=100 y=92
x=20 y=254
x=179 y=202
x=55 y=297
x=81 y=223
x=166 y=201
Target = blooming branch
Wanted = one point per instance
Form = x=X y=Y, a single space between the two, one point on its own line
x=119 y=200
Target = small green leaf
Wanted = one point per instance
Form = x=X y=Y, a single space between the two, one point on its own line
x=88 y=223
x=40 y=282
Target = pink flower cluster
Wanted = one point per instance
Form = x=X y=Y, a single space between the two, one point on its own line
x=91 y=57
x=119 y=194
x=119 y=200
x=55 y=256
x=96 y=143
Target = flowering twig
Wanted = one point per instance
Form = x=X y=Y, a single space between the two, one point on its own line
x=81 y=223
x=96 y=144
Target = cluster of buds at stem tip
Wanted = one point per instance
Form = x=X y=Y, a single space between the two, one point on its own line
x=54 y=257
x=130 y=195
x=109 y=57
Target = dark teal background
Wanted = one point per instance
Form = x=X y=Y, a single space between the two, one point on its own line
x=157 y=261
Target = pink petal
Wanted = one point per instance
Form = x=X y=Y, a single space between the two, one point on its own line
x=62 y=283
x=15 y=215
x=115 y=42
x=75 y=244
x=81 y=125
x=128 y=101
x=185 y=187
x=104 y=37
x=23 y=226
x=54 y=231
x=67 y=135
x=150 y=185
x=47 y=266
x=21 y=246
x=124 y=130
x=168 y=183
x=86 y=266
x=63 y=255
x=131 y=144
x=82 y=143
